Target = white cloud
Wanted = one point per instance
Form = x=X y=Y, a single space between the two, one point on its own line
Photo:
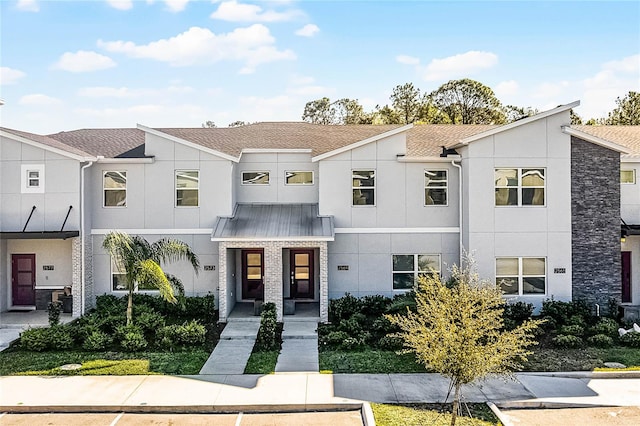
x=38 y=99
x=506 y=88
x=276 y=108
x=9 y=76
x=238 y=12
x=83 y=61
x=154 y=115
x=121 y=4
x=253 y=45
x=28 y=5
x=407 y=60
x=550 y=90
x=127 y=93
x=174 y=5
x=460 y=65
x=308 y=30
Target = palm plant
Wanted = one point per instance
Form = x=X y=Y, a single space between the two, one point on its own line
x=141 y=261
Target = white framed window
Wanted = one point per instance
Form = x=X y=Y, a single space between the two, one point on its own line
x=187 y=188
x=364 y=187
x=628 y=176
x=406 y=268
x=119 y=278
x=32 y=178
x=114 y=185
x=521 y=275
x=298 y=178
x=519 y=186
x=435 y=188
x=255 y=178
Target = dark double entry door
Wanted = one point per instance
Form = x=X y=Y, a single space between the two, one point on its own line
x=301 y=274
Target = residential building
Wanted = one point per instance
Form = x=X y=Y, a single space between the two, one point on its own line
x=286 y=212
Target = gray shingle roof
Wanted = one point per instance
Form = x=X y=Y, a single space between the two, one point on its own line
x=110 y=143
x=51 y=142
x=274 y=222
x=627 y=136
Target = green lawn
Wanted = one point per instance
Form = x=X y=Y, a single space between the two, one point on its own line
x=543 y=359
x=108 y=363
x=430 y=414
x=262 y=362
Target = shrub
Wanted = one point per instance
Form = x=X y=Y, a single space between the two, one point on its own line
x=35 y=339
x=96 y=341
x=150 y=321
x=572 y=330
x=266 y=339
x=202 y=308
x=133 y=341
x=343 y=308
x=390 y=343
x=600 y=341
x=631 y=339
x=383 y=326
x=567 y=341
x=577 y=320
x=518 y=312
x=352 y=344
x=60 y=337
x=122 y=330
x=401 y=302
x=108 y=304
x=54 y=309
x=374 y=306
x=606 y=326
x=334 y=339
x=563 y=311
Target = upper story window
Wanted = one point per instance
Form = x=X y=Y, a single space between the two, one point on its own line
x=255 y=178
x=408 y=267
x=628 y=176
x=32 y=178
x=364 y=187
x=187 y=188
x=519 y=187
x=521 y=275
x=298 y=178
x=119 y=278
x=115 y=189
x=435 y=187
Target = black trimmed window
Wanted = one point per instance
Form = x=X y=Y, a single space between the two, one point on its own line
x=519 y=186
x=521 y=275
x=364 y=187
x=408 y=267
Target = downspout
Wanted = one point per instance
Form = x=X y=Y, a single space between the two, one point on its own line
x=82 y=238
x=459 y=167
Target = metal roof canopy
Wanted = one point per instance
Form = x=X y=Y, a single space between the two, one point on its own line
x=274 y=222
x=39 y=235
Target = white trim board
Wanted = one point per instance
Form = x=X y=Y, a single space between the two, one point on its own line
x=269 y=239
x=434 y=230
x=173 y=231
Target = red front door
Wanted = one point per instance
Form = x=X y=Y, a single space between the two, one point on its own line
x=23 y=279
x=626 y=277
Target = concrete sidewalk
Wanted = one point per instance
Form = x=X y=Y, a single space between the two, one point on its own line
x=296 y=392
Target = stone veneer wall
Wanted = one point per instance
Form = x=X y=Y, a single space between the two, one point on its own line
x=273 y=285
x=595 y=223
x=76 y=276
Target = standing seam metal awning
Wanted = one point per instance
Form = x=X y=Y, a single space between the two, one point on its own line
x=274 y=222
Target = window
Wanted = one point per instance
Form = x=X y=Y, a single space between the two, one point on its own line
x=32 y=178
x=435 y=187
x=364 y=187
x=521 y=275
x=255 y=178
x=519 y=187
x=408 y=267
x=628 y=176
x=187 y=188
x=298 y=178
x=119 y=278
x=115 y=189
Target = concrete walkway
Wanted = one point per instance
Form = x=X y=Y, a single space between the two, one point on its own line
x=296 y=392
x=299 y=347
x=232 y=352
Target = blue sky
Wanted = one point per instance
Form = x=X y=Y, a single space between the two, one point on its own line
x=177 y=63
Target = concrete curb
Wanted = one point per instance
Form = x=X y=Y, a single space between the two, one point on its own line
x=367 y=415
x=548 y=404
x=585 y=374
x=503 y=419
